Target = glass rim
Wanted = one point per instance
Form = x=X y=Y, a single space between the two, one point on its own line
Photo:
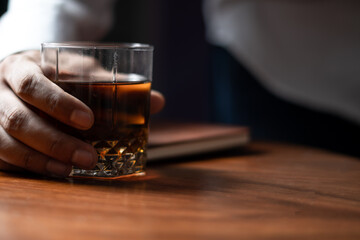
x=98 y=45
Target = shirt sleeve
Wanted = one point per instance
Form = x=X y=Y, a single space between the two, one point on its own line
x=27 y=24
x=307 y=52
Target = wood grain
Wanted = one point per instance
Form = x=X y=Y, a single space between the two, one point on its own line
x=266 y=191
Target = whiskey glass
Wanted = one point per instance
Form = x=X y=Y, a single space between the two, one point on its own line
x=114 y=80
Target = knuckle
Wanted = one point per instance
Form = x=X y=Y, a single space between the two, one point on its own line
x=33 y=163
x=14 y=120
x=61 y=148
x=56 y=146
x=27 y=85
x=53 y=102
x=26 y=160
x=10 y=59
x=4 y=65
x=11 y=63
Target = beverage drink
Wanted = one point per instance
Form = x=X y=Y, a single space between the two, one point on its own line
x=114 y=80
x=120 y=130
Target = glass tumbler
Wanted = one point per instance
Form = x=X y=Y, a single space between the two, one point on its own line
x=114 y=80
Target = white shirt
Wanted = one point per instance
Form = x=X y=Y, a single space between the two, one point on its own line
x=28 y=23
x=305 y=51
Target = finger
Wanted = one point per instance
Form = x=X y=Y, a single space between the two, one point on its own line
x=16 y=155
x=28 y=82
x=27 y=127
x=4 y=166
x=34 y=55
x=157 y=102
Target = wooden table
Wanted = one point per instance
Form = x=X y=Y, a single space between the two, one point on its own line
x=267 y=191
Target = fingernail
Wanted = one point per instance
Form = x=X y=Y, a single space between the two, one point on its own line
x=81 y=118
x=82 y=158
x=58 y=168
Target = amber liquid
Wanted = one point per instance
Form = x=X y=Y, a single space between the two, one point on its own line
x=120 y=130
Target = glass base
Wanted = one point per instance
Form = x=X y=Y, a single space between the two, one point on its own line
x=88 y=177
x=114 y=161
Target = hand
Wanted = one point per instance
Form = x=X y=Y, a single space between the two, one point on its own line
x=27 y=141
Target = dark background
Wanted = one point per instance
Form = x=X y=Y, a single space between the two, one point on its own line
x=3 y=6
x=176 y=30
x=181 y=62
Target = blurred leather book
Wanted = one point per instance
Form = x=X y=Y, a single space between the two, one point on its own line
x=174 y=139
